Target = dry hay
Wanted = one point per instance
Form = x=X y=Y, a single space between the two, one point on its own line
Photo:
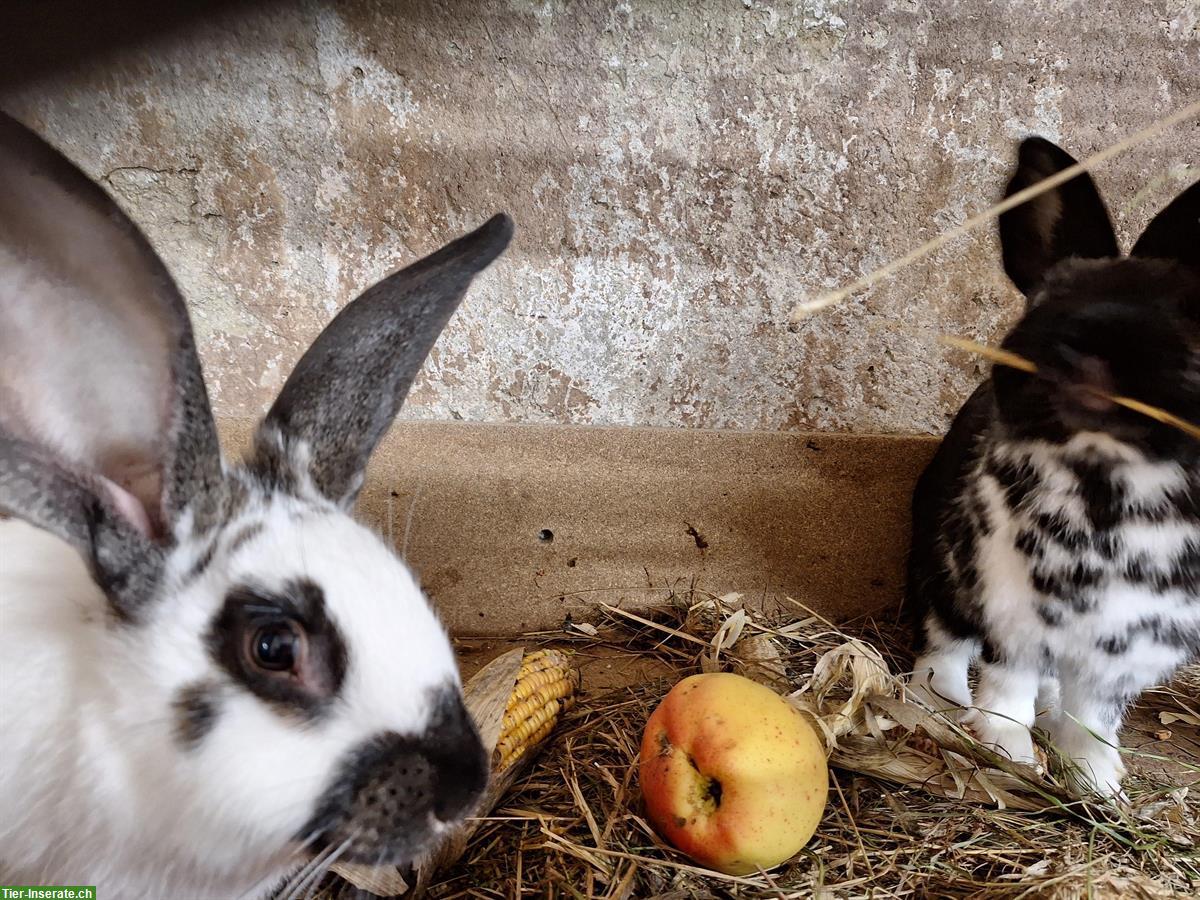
x=917 y=808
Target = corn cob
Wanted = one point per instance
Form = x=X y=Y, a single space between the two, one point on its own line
x=533 y=695
x=545 y=689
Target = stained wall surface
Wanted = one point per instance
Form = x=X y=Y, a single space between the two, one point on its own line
x=681 y=174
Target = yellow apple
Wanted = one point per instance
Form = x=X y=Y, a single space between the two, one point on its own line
x=732 y=774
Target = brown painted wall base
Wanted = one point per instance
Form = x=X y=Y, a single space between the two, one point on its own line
x=511 y=528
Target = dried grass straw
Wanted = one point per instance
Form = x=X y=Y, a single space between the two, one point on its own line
x=917 y=808
x=832 y=298
x=1013 y=361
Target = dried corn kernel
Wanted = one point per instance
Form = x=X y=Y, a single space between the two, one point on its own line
x=545 y=689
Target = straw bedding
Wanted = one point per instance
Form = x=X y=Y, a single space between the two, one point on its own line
x=917 y=809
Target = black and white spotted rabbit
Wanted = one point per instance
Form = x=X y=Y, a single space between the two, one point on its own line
x=1057 y=535
x=206 y=667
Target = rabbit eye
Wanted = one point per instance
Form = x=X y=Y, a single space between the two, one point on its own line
x=277 y=647
x=281 y=646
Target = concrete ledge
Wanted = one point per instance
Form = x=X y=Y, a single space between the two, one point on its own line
x=514 y=527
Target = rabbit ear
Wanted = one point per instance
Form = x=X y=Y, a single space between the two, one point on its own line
x=349 y=386
x=1069 y=220
x=93 y=515
x=103 y=411
x=1175 y=232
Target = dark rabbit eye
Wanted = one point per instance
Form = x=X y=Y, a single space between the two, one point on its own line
x=277 y=647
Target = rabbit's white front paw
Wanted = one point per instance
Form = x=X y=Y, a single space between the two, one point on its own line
x=1105 y=771
x=939 y=680
x=926 y=688
x=1099 y=763
x=1004 y=710
x=1010 y=738
x=1049 y=720
x=1102 y=770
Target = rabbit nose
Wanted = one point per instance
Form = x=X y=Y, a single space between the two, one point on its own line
x=392 y=794
x=457 y=758
x=1087 y=379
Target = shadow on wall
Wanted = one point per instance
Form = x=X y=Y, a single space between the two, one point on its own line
x=42 y=38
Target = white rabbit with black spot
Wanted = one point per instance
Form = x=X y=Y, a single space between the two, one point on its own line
x=208 y=668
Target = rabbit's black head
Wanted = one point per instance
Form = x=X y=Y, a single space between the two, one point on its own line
x=1098 y=324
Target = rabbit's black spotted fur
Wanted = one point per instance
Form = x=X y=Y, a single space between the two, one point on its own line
x=1057 y=534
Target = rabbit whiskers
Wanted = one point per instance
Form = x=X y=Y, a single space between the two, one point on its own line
x=310 y=874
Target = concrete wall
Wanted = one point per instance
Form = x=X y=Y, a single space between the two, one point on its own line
x=681 y=174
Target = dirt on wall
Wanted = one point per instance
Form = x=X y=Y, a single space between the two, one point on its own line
x=681 y=174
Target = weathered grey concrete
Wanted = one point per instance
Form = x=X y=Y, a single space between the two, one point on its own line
x=681 y=174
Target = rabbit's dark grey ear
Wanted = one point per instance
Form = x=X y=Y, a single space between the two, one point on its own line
x=88 y=514
x=1067 y=221
x=1175 y=232
x=349 y=386
x=98 y=368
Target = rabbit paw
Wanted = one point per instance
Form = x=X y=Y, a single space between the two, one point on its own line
x=1099 y=765
x=939 y=682
x=928 y=693
x=1012 y=739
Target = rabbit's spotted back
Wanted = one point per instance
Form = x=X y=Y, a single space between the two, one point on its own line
x=1057 y=534
x=220 y=666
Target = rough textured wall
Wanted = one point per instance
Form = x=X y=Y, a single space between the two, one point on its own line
x=680 y=173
